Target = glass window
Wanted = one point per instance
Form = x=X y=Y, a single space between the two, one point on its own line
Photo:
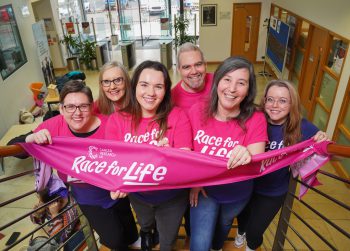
x=298 y=63
x=295 y=81
x=304 y=34
x=320 y=118
x=337 y=54
x=343 y=140
x=328 y=88
x=276 y=12
x=284 y=16
x=12 y=55
x=346 y=121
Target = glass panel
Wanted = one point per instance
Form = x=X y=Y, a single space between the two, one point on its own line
x=284 y=16
x=247 y=33
x=320 y=118
x=191 y=10
x=303 y=34
x=342 y=140
x=276 y=11
x=295 y=81
x=298 y=63
x=337 y=54
x=346 y=121
x=328 y=88
x=12 y=54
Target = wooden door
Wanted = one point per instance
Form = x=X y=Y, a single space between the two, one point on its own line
x=245 y=30
x=315 y=58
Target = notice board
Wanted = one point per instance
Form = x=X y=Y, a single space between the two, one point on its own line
x=277 y=41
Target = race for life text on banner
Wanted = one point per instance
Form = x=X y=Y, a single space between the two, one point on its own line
x=116 y=165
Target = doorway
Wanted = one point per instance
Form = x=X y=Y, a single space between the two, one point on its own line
x=245 y=30
x=312 y=71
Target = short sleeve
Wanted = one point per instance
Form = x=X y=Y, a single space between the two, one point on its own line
x=182 y=131
x=256 y=129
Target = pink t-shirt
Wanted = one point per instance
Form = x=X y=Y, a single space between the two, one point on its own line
x=185 y=100
x=179 y=134
x=217 y=138
x=85 y=194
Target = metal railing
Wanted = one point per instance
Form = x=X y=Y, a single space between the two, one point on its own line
x=28 y=230
x=318 y=221
x=323 y=224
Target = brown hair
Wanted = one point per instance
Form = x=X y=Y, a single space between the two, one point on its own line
x=247 y=106
x=165 y=106
x=73 y=86
x=105 y=105
x=292 y=125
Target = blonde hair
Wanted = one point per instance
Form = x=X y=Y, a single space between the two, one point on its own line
x=105 y=105
x=292 y=125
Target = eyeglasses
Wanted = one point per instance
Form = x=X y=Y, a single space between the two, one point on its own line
x=117 y=82
x=72 y=108
x=282 y=102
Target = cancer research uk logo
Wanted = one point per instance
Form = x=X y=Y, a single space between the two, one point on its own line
x=104 y=161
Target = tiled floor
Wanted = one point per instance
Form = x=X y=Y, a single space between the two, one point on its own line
x=338 y=215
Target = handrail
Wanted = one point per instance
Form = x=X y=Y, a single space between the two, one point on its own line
x=333 y=148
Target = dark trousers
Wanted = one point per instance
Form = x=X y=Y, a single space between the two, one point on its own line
x=166 y=215
x=115 y=225
x=257 y=216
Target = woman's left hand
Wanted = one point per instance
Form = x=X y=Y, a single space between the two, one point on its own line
x=320 y=136
x=118 y=195
x=164 y=142
x=239 y=156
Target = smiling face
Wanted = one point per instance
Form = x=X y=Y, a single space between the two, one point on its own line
x=232 y=89
x=114 y=92
x=77 y=121
x=150 y=91
x=277 y=104
x=192 y=69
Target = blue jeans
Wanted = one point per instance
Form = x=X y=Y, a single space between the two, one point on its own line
x=211 y=222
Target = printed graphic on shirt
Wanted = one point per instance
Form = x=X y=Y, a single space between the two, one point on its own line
x=213 y=145
x=147 y=137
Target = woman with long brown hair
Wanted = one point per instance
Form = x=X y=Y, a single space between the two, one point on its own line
x=149 y=118
x=286 y=127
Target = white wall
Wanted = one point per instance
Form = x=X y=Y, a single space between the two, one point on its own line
x=43 y=9
x=334 y=16
x=215 y=41
x=14 y=91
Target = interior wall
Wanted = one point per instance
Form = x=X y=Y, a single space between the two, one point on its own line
x=43 y=9
x=215 y=41
x=334 y=16
x=14 y=91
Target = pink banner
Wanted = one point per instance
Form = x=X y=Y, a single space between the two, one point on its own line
x=131 y=167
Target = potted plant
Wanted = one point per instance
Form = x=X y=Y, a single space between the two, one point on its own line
x=87 y=51
x=72 y=46
x=180 y=26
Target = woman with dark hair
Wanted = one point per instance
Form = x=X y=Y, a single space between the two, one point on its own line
x=286 y=127
x=112 y=219
x=227 y=126
x=114 y=88
x=150 y=118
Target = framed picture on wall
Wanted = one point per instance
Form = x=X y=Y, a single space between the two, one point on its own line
x=208 y=14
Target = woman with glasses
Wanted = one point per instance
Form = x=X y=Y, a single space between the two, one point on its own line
x=150 y=119
x=112 y=219
x=286 y=127
x=236 y=131
x=114 y=86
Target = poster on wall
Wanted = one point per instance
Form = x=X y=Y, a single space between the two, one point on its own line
x=164 y=23
x=43 y=52
x=277 y=39
x=70 y=28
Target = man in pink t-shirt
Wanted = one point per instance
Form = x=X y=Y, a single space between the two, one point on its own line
x=194 y=86
x=195 y=83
